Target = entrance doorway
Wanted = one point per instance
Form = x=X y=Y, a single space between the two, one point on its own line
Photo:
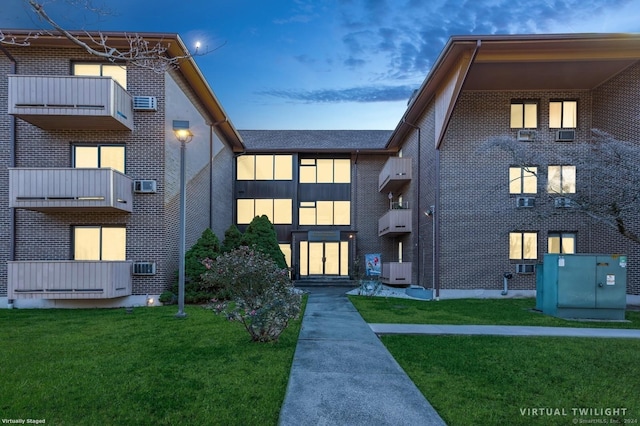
x=324 y=258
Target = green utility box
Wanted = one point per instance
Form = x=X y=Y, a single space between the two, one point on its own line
x=583 y=286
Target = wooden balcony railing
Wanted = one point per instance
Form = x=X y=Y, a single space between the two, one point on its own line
x=69 y=279
x=395 y=222
x=70 y=102
x=396 y=273
x=70 y=189
x=395 y=173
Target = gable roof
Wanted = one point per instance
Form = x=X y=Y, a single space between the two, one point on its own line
x=315 y=140
x=516 y=62
x=175 y=48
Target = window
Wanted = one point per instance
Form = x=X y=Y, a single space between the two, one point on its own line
x=264 y=167
x=523 y=180
x=563 y=114
x=562 y=242
x=116 y=72
x=523 y=245
x=325 y=170
x=99 y=243
x=279 y=211
x=99 y=157
x=325 y=213
x=561 y=180
x=524 y=114
x=286 y=250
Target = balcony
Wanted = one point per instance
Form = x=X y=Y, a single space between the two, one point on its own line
x=50 y=190
x=70 y=102
x=396 y=273
x=395 y=174
x=396 y=221
x=69 y=279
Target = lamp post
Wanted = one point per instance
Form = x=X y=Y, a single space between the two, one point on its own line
x=184 y=136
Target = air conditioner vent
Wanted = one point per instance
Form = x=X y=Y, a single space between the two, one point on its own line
x=144 y=186
x=144 y=268
x=145 y=103
x=525 y=268
x=562 y=202
x=525 y=202
x=526 y=135
x=566 y=135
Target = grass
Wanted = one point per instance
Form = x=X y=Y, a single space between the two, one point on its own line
x=489 y=380
x=470 y=311
x=88 y=367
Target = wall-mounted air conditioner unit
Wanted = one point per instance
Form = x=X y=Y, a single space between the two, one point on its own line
x=526 y=135
x=144 y=268
x=525 y=268
x=525 y=202
x=565 y=135
x=561 y=202
x=145 y=103
x=144 y=186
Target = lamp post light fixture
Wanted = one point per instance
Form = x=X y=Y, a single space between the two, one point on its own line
x=184 y=136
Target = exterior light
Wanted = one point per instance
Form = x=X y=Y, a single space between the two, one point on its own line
x=184 y=136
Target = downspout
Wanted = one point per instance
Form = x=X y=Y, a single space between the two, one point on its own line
x=12 y=163
x=355 y=213
x=417 y=212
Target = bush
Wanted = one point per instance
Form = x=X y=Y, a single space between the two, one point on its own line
x=263 y=297
x=232 y=239
x=261 y=235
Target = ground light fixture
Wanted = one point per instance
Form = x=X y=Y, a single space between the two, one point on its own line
x=184 y=136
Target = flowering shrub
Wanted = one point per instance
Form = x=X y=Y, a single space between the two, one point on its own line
x=263 y=298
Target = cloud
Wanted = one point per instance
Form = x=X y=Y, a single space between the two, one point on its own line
x=353 y=94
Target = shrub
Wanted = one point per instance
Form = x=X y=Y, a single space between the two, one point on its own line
x=232 y=239
x=263 y=298
x=261 y=235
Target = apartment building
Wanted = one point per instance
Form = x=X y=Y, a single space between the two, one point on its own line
x=480 y=213
x=442 y=212
x=90 y=168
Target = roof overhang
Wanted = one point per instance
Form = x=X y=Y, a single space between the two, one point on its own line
x=523 y=62
x=175 y=49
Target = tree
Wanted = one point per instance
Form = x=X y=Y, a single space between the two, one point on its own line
x=232 y=239
x=207 y=247
x=608 y=169
x=261 y=235
x=134 y=49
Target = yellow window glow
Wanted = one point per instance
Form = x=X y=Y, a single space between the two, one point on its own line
x=264 y=207
x=517 y=116
x=114 y=243
x=283 y=167
x=342 y=171
x=324 y=213
x=324 y=171
x=264 y=167
x=86 y=157
x=86 y=243
x=282 y=211
x=342 y=213
x=112 y=156
x=245 y=211
x=245 y=166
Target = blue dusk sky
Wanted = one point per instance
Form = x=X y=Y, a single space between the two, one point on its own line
x=326 y=64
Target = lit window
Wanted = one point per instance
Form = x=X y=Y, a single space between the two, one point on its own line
x=286 y=250
x=523 y=245
x=561 y=180
x=264 y=167
x=563 y=114
x=325 y=170
x=325 y=213
x=279 y=211
x=562 y=242
x=117 y=72
x=523 y=180
x=99 y=243
x=99 y=156
x=524 y=115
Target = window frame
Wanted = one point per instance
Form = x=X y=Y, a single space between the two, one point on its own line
x=562 y=235
x=102 y=65
x=272 y=216
x=524 y=103
x=313 y=205
x=562 y=179
x=562 y=103
x=315 y=163
x=99 y=147
x=275 y=176
x=100 y=245
x=522 y=177
x=522 y=235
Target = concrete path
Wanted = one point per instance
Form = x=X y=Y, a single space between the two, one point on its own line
x=504 y=330
x=343 y=375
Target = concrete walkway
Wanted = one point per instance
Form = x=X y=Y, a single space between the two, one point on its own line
x=343 y=375
x=504 y=330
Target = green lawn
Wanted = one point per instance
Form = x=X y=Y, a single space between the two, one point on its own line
x=488 y=380
x=470 y=311
x=90 y=367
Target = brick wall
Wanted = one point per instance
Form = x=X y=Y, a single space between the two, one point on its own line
x=5 y=149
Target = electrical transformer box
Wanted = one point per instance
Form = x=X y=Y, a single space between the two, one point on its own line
x=582 y=286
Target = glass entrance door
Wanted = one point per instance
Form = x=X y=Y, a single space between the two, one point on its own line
x=324 y=258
